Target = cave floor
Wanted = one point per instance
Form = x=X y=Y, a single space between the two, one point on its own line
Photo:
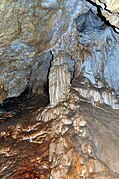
x=24 y=141
x=19 y=116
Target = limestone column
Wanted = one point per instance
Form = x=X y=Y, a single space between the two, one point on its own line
x=59 y=79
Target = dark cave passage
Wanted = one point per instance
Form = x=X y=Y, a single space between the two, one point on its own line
x=26 y=103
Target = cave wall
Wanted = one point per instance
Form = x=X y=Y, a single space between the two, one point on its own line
x=68 y=47
x=33 y=33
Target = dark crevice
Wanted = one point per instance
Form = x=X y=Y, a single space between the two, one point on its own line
x=24 y=104
x=46 y=84
x=99 y=14
x=12 y=102
x=46 y=88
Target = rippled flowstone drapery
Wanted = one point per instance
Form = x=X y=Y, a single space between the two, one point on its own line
x=59 y=79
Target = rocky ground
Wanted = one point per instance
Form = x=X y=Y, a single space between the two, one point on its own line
x=73 y=140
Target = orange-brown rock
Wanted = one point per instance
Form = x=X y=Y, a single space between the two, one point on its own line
x=73 y=140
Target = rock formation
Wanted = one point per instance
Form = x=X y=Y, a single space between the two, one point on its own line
x=59 y=80
x=71 y=27
x=110 y=10
x=65 y=52
x=71 y=140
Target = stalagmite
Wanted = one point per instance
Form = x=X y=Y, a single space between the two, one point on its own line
x=59 y=79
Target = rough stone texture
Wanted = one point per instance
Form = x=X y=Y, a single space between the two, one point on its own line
x=39 y=73
x=76 y=135
x=20 y=70
x=100 y=64
x=25 y=20
x=36 y=27
x=28 y=28
x=96 y=96
x=73 y=140
x=95 y=58
x=15 y=69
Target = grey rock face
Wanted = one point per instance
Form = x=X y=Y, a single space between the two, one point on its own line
x=95 y=55
x=24 y=20
x=30 y=28
x=19 y=70
x=15 y=69
x=39 y=74
x=101 y=66
x=27 y=28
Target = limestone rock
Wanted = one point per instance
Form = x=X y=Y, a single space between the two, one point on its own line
x=99 y=63
x=30 y=28
x=20 y=68
x=20 y=20
x=39 y=73
x=65 y=42
x=59 y=79
x=27 y=29
x=14 y=77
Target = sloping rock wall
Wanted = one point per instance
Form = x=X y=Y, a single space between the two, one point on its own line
x=72 y=140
